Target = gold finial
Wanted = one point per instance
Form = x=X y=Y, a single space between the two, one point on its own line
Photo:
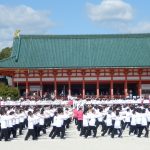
x=17 y=33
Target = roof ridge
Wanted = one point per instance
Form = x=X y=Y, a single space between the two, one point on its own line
x=127 y=35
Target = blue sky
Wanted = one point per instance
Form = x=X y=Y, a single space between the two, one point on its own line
x=72 y=17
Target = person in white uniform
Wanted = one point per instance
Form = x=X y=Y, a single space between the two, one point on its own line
x=31 y=131
x=118 y=122
x=85 y=127
x=133 y=123
x=100 y=117
x=92 y=124
x=108 y=121
x=60 y=129
x=54 y=125
x=4 y=126
x=41 y=122
x=144 y=124
x=11 y=129
x=127 y=119
x=21 y=120
x=138 y=122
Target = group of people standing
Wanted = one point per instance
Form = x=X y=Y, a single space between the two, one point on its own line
x=114 y=120
x=13 y=120
x=90 y=120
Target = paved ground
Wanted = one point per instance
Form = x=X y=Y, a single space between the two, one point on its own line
x=74 y=142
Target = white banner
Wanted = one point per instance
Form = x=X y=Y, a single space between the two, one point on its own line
x=79 y=103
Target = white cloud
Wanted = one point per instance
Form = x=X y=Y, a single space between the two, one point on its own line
x=141 y=27
x=27 y=19
x=116 y=15
x=110 y=10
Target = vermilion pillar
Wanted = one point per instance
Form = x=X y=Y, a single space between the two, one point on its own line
x=55 y=83
x=69 y=86
x=83 y=88
x=140 y=83
x=27 y=85
x=55 y=86
x=41 y=85
x=125 y=87
x=97 y=87
x=112 y=85
x=69 y=82
x=140 y=87
x=111 y=89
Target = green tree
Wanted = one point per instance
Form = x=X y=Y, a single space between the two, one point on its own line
x=5 y=53
x=6 y=91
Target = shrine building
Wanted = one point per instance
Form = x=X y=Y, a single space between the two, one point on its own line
x=112 y=66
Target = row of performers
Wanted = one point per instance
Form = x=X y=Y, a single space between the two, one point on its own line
x=14 y=121
x=113 y=120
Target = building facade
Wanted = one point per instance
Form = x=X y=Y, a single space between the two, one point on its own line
x=110 y=66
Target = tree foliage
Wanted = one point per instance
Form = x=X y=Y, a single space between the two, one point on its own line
x=5 y=53
x=6 y=91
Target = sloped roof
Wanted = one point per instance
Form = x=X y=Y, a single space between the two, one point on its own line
x=79 y=51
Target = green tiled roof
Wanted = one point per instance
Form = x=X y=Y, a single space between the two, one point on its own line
x=79 y=51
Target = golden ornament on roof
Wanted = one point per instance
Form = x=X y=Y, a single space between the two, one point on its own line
x=17 y=33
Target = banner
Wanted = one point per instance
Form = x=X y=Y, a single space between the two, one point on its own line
x=78 y=103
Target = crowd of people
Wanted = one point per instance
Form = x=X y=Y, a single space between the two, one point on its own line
x=89 y=120
x=13 y=120
x=114 y=120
